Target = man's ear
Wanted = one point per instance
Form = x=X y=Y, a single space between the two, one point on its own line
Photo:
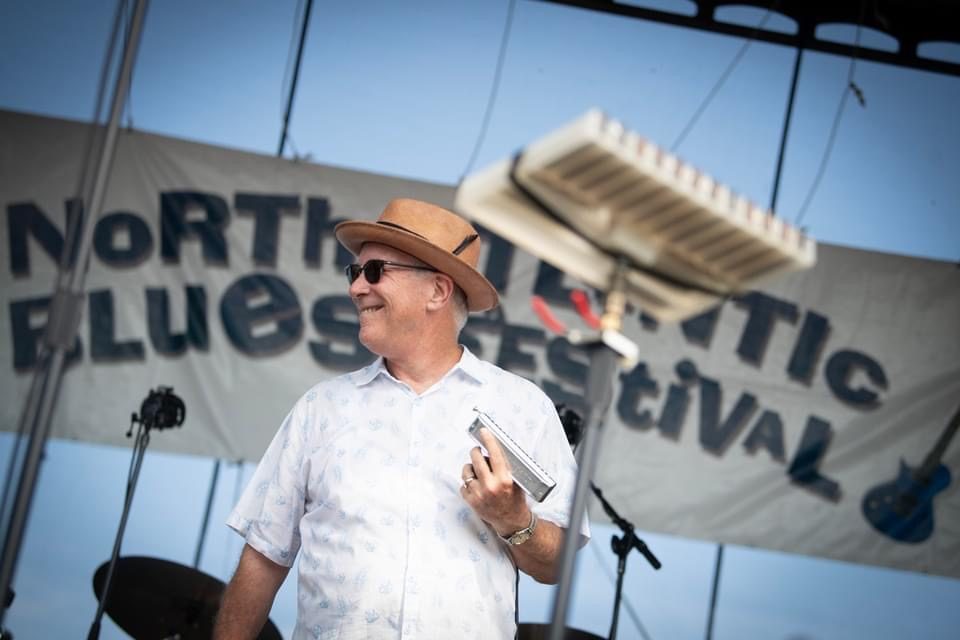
x=442 y=292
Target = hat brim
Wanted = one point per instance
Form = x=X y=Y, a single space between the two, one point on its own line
x=481 y=294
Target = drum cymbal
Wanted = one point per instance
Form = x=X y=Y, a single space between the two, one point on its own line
x=531 y=631
x=153 y=599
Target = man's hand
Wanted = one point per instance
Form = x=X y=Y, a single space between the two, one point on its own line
x=489 y=489
x=492 y=493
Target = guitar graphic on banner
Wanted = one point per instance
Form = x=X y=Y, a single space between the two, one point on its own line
x=903 y=508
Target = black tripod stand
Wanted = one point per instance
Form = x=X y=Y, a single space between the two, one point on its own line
x=622 y=546
x=160 y=410
x=7 y=601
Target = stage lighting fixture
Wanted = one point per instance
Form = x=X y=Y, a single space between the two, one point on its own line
x=593 y=195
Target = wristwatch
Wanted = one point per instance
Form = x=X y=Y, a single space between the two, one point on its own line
x=521 y=536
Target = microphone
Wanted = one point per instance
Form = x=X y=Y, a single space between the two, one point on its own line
x=162 y=409
x=572 y=424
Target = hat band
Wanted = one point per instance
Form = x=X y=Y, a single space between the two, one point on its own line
x=466 y=243
x=396 y=226
x=460 y=247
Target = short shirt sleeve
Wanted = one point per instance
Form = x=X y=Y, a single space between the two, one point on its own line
x=269 y=511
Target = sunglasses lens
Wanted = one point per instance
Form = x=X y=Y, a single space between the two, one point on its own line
x=353 y=272
x=373 y=269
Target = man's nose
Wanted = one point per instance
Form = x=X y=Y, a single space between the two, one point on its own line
x=359 y=286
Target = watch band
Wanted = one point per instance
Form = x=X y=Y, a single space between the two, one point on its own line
x=521 y=536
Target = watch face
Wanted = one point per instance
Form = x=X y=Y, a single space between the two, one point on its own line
x=520 y=537
x=524 y=534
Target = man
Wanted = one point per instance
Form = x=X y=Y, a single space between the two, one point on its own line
x=405 y=528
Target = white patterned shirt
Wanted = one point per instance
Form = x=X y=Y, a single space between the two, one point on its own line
x=363 y=477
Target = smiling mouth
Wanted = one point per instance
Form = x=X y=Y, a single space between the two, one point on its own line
x=371 y=309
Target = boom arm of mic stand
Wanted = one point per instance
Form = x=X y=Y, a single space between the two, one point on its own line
x=629 y=536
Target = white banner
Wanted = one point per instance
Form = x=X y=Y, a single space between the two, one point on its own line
x=796 y=418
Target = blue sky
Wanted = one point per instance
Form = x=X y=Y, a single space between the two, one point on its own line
x=401 y=88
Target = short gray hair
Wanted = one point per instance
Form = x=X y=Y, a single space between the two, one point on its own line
x=460 y=310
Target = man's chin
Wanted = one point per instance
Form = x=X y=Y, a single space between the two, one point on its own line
x=372 y=340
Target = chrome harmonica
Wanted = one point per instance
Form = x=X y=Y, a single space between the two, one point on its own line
x=529 y=475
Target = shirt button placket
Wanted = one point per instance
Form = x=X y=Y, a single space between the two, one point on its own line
x=411 y=608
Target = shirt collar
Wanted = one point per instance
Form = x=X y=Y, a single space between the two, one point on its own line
x=468 y=364
x=472 y=366
x=368 y=373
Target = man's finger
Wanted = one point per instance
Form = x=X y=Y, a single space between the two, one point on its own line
x=497 y=460
x=481 y=466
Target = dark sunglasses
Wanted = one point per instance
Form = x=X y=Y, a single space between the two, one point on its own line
x=373 y=269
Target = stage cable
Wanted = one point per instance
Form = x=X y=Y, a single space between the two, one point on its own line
x=850 y=87
x=495 y=87
x=295 y=76
x=128 y=104
x=291 y=50
x=723 y=77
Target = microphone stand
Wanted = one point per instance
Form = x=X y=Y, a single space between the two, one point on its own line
x=622 y=547
x=139 y=449
x=161 y=410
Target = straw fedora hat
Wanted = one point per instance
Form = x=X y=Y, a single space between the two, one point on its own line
x=438 y=237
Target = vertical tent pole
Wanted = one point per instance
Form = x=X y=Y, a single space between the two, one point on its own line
x=791 y=99
x=714 y=591
x=206 y=514
x=66 y=308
